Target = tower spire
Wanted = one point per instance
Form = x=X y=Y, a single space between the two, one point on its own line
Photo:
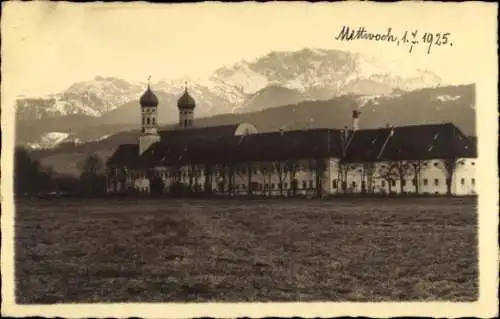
x=149 y=82
x=185 y=86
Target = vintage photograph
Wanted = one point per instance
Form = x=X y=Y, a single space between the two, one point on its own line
x=231 y=153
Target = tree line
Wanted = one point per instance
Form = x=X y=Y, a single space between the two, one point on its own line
x=31 y=178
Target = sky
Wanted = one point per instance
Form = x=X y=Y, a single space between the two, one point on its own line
x=48 y=46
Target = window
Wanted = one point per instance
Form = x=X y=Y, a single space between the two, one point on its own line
x=143 y=121
x=353 y=184
x=436 y=181
x=436 y=163
x=414 y=182
x=153 y=120
x=266 y=186
x=393 y=183
x=148 y=121
x=185 y=122
x=285 y=186
x=279 y=185
x=383 y=183
x=473 y=181
x=310 y=184
x=472 y=163
x=334 y=183
x=462 y=181
x=304 y=184
x=426 y=181
x=272 y=185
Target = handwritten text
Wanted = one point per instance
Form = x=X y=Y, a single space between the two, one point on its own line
x=407 y=38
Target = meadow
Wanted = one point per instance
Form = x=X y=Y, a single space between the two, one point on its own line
x=158 y=250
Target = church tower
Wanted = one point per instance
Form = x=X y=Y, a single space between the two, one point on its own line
x=149 y=117
x=355 y=119
x=186 y=105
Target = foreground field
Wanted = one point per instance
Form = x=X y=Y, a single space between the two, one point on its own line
x=159 y=250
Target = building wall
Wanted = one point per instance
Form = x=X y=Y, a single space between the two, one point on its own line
x=432 y=178
x=464 y=181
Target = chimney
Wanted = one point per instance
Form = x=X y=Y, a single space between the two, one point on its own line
x=355 y=120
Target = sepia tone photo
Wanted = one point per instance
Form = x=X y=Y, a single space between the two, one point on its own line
x=214 y=154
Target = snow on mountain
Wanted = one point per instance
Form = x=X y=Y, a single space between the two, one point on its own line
x=209 y=100
x=266 y=81
x=49 y=140
x=93 y=98
x=445 y=98
x=319 y=74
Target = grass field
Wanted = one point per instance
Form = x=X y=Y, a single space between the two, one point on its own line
x=274 y=250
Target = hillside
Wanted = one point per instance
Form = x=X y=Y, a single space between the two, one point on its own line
x=444 y=104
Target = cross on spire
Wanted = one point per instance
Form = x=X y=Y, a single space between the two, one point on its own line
x=185 y=86
x=149 y=81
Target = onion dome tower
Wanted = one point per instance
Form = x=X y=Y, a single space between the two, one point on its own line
x=186 y=105
x=149 y=116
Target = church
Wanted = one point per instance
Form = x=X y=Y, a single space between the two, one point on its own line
x=237 y=160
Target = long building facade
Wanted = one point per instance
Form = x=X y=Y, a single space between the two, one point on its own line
x=237 y=160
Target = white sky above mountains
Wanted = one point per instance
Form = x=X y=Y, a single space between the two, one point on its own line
x=48 y=46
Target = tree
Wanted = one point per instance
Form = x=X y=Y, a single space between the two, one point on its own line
x=29 y=176
x=318 y=166
x=92 y=177
x=343 y=171
x=402 y=169
x=226 y=177
x=93 y=164
x=321 y=165
x=266 y=169
x=156 y=183
x=175 y=173
x=194 y=173
x=291 y=168
x=368 y=174
x=388 y=174
x=208 y=170
x=450 y=165
x=67 y=184
x=250 y=169
x=417 y=166
x=280 y=169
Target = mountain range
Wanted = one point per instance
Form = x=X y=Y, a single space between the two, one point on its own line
x=281 y=90
x=453 y=104
x=278 y=78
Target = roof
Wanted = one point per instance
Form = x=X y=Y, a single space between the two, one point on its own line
x=365 y=145
x=148 y=99
x=422 y=142
x=274 y=146
x=186 y=101
x=205 y=133
x=220 y=145
x=125 y=155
